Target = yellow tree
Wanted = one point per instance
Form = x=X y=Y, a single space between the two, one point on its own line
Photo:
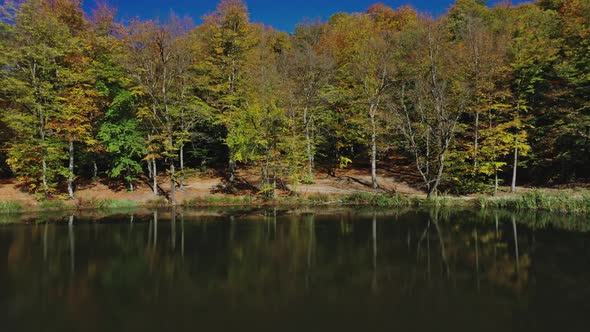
x=532 y=53
x=264 y=133
x=225 y=41
x=155 y=59
x=78 y=99
x=308 y=71
x=46 y=37
x=431 y=98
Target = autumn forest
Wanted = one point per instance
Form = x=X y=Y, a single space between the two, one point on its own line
x=477 y=98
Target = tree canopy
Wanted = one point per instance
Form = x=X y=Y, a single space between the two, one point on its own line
x=472 y=98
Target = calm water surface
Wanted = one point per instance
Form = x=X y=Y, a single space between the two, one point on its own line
x=278 y=270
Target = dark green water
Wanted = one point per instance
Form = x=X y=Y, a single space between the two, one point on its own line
x=341 y=270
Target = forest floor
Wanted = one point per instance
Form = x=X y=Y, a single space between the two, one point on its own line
x=212 y=187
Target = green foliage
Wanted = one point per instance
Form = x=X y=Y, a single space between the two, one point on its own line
x=123 y=139
x=307 y=180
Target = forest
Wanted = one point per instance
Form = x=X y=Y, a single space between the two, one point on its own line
x=473 y=99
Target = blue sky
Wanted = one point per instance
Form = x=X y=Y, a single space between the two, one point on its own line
x=281 y=14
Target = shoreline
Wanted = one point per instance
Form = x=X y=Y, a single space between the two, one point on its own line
x=560 y=201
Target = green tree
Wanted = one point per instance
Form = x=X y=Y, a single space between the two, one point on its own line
x=123 y=139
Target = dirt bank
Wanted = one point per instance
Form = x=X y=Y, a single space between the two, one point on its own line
x=203 y=185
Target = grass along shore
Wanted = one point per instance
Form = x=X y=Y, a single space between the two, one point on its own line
x=562 y=201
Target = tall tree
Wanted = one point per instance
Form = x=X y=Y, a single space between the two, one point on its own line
x=431 y=100
x=155 y=61
x=467 y=23
x=227 y=39
x=309 y=71
x=264 y=133
x=532 y=53
x=78 y=99
x=372 y=74
x=33 y=82
x=346 y=120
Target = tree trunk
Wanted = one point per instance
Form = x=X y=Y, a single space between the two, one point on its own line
x=94 y=170
x=153 y=170
x=373 y=148
x=309 y=148
x=274 y=186
x=476 y=145
x=155 y=176
x=44 y=162
x=514 y=171
x=495 y=183
x=44 y=175
x=172 y=184
x=181 y=178
x=42 y=136
x=441 y=167
x=429 y=184
x=149 y=167
x=71 y=171
x=232 y=170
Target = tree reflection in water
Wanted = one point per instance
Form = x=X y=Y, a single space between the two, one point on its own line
x=302 y=266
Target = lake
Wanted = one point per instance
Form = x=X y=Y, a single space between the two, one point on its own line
x=323 y=269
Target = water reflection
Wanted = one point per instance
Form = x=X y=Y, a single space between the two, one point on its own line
x=72 y=244
x=374 y=223
x=345 y=269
